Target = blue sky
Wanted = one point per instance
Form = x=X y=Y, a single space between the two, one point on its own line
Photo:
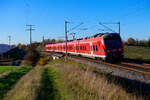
x=48 y=16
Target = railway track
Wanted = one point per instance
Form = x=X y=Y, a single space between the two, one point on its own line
x=122 y=65
x=143 y=69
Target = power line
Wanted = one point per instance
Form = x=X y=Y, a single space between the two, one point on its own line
x=30 y=30
x=75 y=27
x=110 y=28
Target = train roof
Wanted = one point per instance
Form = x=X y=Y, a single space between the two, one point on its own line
x=87 y=39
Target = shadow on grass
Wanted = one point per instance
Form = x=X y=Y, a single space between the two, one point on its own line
x=140 y=89
x=48 y=89
x=7 y=82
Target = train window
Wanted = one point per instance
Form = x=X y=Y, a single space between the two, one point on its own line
x=80 y=47
x=96 y=48
x=93 y=47
x=85 y=47
x=99 y=43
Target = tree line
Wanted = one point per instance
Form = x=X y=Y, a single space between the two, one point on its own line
x=136 y=42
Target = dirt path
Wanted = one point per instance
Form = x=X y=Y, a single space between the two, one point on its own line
x=4 y=74
x=27 y=87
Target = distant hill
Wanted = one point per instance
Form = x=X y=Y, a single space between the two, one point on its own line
x=4 y=48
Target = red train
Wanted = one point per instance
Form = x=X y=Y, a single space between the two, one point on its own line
x=107 y=46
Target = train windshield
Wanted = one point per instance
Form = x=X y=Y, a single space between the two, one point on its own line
x=113 y=42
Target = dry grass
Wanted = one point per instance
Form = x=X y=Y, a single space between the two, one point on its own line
x=86 y=85
x=27 y=87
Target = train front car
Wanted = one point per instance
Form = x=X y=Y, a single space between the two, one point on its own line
x=113 y=47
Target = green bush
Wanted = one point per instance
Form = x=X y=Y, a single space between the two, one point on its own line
x=44 y=60
x=32 y=57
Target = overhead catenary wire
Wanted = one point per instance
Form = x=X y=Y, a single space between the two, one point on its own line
x=107 y=27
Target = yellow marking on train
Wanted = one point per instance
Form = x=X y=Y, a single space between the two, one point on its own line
x=94 y=41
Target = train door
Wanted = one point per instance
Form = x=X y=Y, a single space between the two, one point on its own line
x=91 y=48
x=95 y=48
x=75 y=47
x=100 y=48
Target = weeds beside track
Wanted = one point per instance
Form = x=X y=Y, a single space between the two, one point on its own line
x=86 y=85
x=130 y=67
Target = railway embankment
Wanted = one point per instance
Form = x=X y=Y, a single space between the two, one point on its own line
x=132 y=82
x=60 y=80
x=75 y=81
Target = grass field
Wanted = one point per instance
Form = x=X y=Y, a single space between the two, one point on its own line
x=7 y=68
x=61 y=81
x=135 y=52
x=7 y=82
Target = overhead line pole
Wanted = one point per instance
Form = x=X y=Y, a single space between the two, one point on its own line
x=43 y=39
x=9 y=40
x=119 y=27
x=66 y=39
x=30 y=30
